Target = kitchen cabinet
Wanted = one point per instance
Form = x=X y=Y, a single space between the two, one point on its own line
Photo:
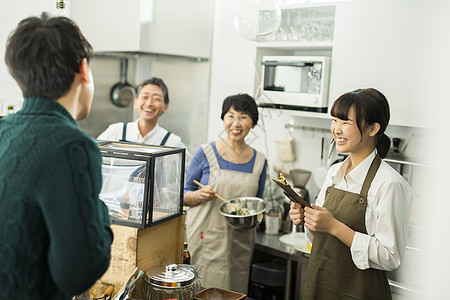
x=174 y=27
x=391 y=46
x=268 y=247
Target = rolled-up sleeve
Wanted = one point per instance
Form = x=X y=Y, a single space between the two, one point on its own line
x=383 y=246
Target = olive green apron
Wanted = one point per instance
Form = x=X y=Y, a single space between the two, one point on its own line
x=222 y=254
x=332 y=273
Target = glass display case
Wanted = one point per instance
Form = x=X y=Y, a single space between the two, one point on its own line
x=142 y=184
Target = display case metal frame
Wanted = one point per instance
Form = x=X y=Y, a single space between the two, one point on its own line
x=149 y=159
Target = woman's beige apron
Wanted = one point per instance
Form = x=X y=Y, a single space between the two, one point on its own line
x=222 y=254
x=331 y=272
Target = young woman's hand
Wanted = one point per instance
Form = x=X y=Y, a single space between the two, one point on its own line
x=319 y=219
x=297 y=213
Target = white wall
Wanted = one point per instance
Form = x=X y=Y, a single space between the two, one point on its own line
x=232 y=64
x=10 y=14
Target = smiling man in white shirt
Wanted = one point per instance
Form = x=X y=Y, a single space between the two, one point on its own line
x=151 y=102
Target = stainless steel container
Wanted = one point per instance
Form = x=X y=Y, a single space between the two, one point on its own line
x=256 y=207
x=197 y=285
x=169 y=282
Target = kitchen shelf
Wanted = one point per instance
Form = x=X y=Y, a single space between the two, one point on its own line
x=405 y=160
x=322 y=6
x=134 y=54
x=399 y=288
x=300 y=113
x=295 y=45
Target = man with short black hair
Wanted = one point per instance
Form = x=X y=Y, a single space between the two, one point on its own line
x=55 y=237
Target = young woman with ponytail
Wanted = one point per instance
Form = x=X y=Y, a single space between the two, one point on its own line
x=358 y=226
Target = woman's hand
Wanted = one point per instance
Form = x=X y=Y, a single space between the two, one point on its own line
x=319 y=219
x=297 y=213
x=204 y=194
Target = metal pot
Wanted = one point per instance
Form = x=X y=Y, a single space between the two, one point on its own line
x=123 y=93
x=169 y=282
x=197 y=285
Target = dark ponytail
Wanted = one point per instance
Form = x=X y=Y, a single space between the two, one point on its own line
x=371 y=106
x=383 y=144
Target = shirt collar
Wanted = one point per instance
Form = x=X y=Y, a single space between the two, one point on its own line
x=138 y=132
x=357 y=175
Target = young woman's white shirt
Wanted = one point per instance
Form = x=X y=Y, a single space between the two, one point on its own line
x=387 y=213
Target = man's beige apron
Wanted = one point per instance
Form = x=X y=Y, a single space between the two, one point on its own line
x=332 y=273
x=222 y=254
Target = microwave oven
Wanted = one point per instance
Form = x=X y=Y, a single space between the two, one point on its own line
x=295 y=83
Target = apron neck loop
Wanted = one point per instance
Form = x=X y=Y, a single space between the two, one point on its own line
x=370 y=175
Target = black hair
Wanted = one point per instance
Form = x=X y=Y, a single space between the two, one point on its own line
x=158 y=82
x=371 y=106
x=243 y=103
x=44 y=53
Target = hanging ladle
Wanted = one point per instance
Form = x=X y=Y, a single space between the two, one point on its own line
x=239 y=211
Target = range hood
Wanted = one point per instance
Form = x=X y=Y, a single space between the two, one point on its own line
x=172 y=27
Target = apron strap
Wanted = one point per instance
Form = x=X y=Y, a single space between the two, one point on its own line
x=166 y=137
x=370 y=175
x=211 y=156
x=124 y=133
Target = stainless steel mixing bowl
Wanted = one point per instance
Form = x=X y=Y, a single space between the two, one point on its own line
x=255 y=205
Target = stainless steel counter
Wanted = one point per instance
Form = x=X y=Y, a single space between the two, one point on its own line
x=271 y=244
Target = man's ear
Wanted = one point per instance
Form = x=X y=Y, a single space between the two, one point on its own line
x=84 y=70
x=135 y=104
x=166 y=108
x=374 y=128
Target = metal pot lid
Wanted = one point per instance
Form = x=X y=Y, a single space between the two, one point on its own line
x=191 y=268
x=170 y=276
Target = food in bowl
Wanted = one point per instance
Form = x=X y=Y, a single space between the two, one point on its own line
x=241 y=212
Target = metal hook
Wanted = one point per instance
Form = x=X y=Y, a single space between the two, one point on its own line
x=332 y=148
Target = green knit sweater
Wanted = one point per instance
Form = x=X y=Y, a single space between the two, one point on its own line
x=55 y=238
